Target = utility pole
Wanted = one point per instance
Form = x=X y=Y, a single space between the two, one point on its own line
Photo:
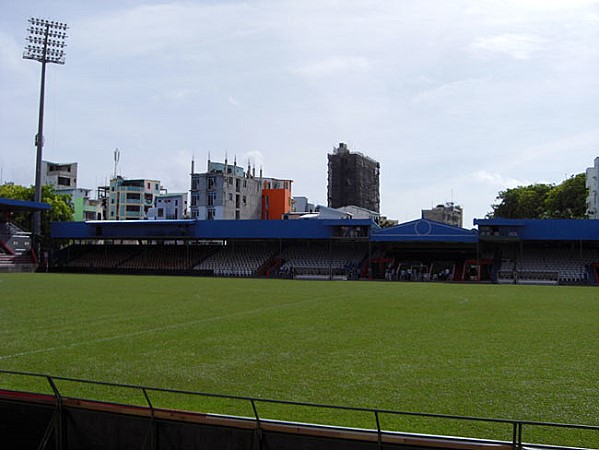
x=45 y=45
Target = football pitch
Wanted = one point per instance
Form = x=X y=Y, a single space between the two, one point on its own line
x=510 y=352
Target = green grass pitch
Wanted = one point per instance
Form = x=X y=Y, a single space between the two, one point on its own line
x=513 y=352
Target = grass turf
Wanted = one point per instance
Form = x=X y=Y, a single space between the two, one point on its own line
x=514 y=352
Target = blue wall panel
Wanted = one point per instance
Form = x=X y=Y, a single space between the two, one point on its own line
x=415 y=231
x=542 y=230
x=204 y=229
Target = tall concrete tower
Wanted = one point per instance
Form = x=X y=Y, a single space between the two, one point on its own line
x=353 y=180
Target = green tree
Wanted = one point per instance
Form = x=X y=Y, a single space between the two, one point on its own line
x=566 y=200
x=61 y=211
x=522 y=202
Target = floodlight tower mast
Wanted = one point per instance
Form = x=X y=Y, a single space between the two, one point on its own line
x=46 y=42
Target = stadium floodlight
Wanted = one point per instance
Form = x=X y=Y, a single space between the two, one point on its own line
x=46 y=42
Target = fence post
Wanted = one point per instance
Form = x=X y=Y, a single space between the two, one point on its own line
x=58 y=416
x=378 y=429
x=152 y=422
x=258 y=427
x=519 y=435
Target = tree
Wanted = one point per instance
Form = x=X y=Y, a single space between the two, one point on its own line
x=568 y=199
x=522 y=202
x=61 y=211
x=543 y=201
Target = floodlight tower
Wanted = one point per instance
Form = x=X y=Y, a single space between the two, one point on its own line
x=46 y=42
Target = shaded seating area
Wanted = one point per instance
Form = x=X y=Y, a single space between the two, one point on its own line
x=548 y=266
x=320 y=260
x=238 y=259
x=132 y=258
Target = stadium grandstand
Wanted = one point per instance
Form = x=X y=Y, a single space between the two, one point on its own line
x=548 y=252
x=17 y=252
x=499 y=251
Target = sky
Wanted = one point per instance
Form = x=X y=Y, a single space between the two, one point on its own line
x=457 y=99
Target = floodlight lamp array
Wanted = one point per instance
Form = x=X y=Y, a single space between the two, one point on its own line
x=50 y=23
x=46 y=41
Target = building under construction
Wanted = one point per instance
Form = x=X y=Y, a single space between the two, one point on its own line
x=353 y=180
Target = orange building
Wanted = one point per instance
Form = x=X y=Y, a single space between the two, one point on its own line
x=276 y=198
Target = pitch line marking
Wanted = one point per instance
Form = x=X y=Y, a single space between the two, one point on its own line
x=154 y=330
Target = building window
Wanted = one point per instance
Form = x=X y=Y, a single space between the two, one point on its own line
x=244 y=200
x=211 y=213
x=133 y=196
x=132 y=208
x=211 y=198
x=230 y=196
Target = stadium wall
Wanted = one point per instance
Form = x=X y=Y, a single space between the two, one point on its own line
x=539 y=230
x=38 y=421
x=208 y=229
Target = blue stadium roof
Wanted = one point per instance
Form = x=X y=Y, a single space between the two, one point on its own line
x=424 y=230
x=539 y=230
x=416 y=231
x=213 y=229
x=9 y=204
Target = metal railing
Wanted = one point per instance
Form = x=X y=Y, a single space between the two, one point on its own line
x=517 y=426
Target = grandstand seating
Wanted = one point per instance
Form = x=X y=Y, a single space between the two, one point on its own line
x=17 y=263
x=13 y=239
x=166 y=257
x=318 y=261
x=238 y=260
x=330 y=260
x=133 y=257
x=16 y=254
x=103 y=256
x=548 y=266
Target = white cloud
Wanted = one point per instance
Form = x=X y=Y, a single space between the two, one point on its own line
x=163 y=30
x=497 y=179
x=434 y=90
x=552 y=5
x=11 y=57
x=455 y=89
x=517 y=46
x=178 y=95
x=334 y=66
